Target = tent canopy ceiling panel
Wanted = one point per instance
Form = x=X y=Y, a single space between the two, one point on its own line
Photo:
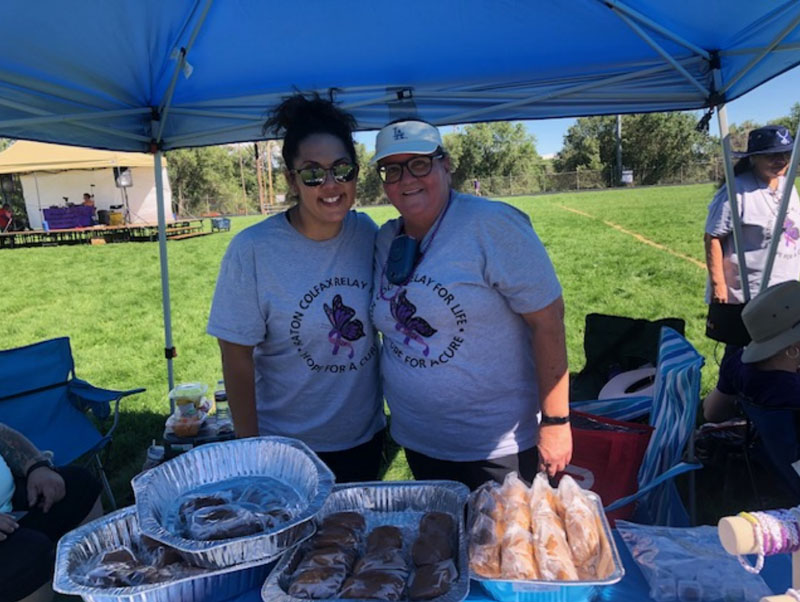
x=197 y=72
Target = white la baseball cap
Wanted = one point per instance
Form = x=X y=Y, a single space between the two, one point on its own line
x=409 y=137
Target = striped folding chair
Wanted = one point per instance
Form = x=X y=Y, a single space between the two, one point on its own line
x=673 y=416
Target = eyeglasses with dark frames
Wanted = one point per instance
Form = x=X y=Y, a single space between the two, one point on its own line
x=419 y=167
x=316 y=176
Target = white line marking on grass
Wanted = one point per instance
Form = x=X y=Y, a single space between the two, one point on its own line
x=638 y=237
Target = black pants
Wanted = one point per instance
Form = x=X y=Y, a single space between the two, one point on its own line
x=360 y=463
x=474 y=474
x=27 y=556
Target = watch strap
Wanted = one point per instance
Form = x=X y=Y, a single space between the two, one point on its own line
x=39 y=464
x=554 y=419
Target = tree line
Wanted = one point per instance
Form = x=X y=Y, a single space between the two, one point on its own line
x=655 y=146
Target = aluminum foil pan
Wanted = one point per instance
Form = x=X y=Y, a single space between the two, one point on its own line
x=557 y=591
x=119 y=529
x=286 y=460
x=400 y=503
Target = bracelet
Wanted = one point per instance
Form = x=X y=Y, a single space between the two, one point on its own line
x=38 y=464
x=759 y=545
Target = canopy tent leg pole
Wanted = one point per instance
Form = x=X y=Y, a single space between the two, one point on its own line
x=727 y=162
x=38 y=201
x=169 y=350
x=780 y=218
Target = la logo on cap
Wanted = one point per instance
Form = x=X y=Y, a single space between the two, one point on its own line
x=398 y=133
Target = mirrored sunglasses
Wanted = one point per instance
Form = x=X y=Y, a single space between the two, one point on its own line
x=316 y=176
x=418 y=167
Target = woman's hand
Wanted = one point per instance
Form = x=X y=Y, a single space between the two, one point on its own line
x=45 y=488
x=719 y=293
x=555 y=447
x=7 y=526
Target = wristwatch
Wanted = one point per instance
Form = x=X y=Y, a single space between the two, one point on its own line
x=554 y=420
x=38 y=464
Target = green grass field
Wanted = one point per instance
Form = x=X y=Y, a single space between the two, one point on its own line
x=108 y=298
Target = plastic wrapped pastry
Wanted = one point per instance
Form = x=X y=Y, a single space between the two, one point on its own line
x=336 y=536
x=485 y=530
x=350 y=520
x=384 y=538
x=550 y=547
x=386 y=561
x=333 y=557
x=225 y=521
x=437 y=521
x=317 y=583
x=581 y=528
x=431 y=548
x=374 y=585
x=432 y=580
x=517 y=560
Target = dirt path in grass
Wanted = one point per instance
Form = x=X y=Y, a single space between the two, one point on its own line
x=638 y=237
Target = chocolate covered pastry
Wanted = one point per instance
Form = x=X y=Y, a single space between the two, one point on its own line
x=226 y=521
x=374 y=585
x=335 y=536
x=350 y=520
x=432 y=580
x=437 y=521
x=430 y=548
x=387 y=561
x=383 y=538
x=333 y=557
x=123 y=555
x=196 y=502
x=317 y=583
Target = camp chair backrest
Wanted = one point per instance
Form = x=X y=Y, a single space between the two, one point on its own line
x=777 y=428
x=614 y=344
x=34 y=400
x=40 y=366
x=677 y=396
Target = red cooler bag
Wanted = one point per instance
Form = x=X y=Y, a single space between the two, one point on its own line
x=606 y=456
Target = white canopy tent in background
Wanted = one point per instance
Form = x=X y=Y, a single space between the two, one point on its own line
x=50 y=172
x=159 y=75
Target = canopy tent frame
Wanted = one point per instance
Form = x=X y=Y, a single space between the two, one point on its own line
x=668 y=71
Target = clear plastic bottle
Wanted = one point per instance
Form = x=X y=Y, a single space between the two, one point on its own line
x=224 y=420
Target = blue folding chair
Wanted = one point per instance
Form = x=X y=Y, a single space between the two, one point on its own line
x=41 y=398
x=673 y=416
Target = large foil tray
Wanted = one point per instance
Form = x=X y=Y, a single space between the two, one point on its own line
x=118 y=529
x=400 y=503
x=281 y=458
x=510 y=590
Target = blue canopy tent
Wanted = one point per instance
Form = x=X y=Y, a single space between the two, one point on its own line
x=149 y=75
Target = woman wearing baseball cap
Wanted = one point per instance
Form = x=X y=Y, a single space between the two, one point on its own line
x=759 y=187
x=474 y=361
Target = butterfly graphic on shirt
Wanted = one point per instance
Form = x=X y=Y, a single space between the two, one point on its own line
x=791 y=233
x=345 y=328
x=413 y=327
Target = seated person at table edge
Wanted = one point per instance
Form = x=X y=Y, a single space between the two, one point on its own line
x=766 y=371
x=88 y=200
x=38 y=504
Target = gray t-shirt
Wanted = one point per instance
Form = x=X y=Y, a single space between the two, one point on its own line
x=758 y=207
x=304 y=306
x=457 y=363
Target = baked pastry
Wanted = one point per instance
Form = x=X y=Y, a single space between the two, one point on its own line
x=193 y=502
x=581 y=528
x=432 y=580
x=431 y=548
x=486 y=530
x=387 y=561
x=383 y=538
x=336 y=536
x=375 y=585
x=333 y=557
x=225 y=521
x=437 y=521
x=550 y=547
x=517 y=560
x=351 y=520
x=318 y=583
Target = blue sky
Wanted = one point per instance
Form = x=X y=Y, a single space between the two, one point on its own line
x=769 y=101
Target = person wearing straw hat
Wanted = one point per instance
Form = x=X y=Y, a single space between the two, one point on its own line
x=759 y=187
x=767 y=370
x=474 y=363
